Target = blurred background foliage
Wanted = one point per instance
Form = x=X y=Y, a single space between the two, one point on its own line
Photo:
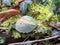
x=39 y=10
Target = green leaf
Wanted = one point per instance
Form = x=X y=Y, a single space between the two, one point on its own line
x=42 y=30
x=2 y=40
x=16 y=34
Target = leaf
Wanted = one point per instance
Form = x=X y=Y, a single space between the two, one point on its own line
x=16 y=34
x=41 y=30
x=23 y=6
x=2 y=40
x=25 y=24
x=7 y=2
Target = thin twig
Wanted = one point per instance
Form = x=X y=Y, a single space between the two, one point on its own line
x=34 y=41
x=26 y=38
